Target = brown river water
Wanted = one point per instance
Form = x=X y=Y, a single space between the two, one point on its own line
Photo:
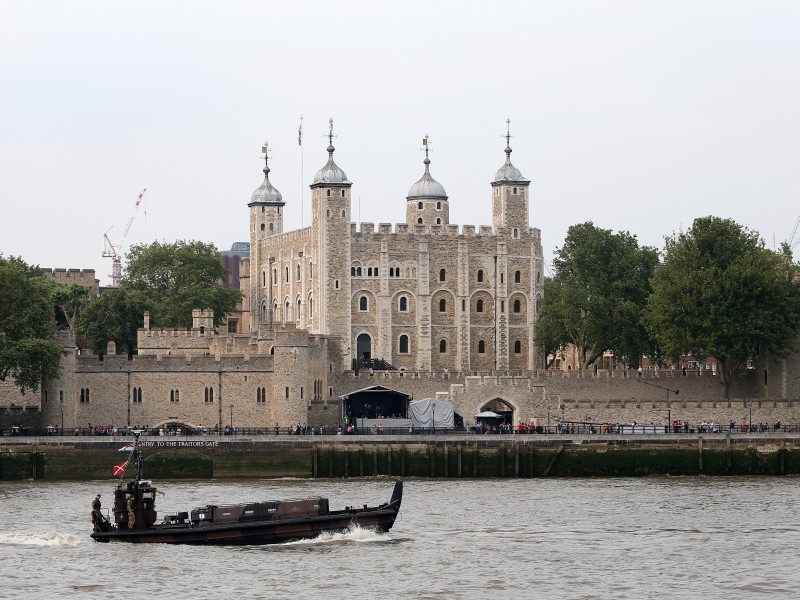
x=657 y=537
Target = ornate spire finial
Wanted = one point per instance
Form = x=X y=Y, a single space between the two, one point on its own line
x=508 y=140
x=330 y=136
x=426 y=142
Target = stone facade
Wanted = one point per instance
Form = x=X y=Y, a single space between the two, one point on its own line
x=451 y=308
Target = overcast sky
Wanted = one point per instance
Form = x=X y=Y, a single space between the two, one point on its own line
x=638 y=116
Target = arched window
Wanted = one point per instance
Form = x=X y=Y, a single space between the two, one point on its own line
x=481 y=347
x=442 y=275
x=274 y=276
x=376 y=271
x=298 y=309
x=479 y=306
x=343 y=213
x=419 y=221
x=329 y=192
x=480 y=275
x=403 y=304
x=298 y=272
x=362 y=303
x=369 y=272
x=419 y=205
x=352 y=271
x=264 y=278
x=263 y=311
x=403 y=344
x=310 y=307
x=442 y=305
x=271 y=227
x=515 y=191
x=443 y=346
x=517 y=276
x=438 y=206
x=258 y=395
x=342 y=197
x=262 y=227
x=517 y=306
x=517 y=347
x=358 y=271
x=438 y=221
x=516 y=233
x=287 y=274
x=286 y=311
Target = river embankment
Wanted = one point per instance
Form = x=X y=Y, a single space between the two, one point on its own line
x=439 y=456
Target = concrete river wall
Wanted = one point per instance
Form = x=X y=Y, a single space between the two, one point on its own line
x=465 y=456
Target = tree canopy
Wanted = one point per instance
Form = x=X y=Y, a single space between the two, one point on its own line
x=597 y=294
x=166 y=279
x=28 y=351
x=721 y=294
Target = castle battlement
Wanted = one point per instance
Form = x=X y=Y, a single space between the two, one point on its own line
x=283 y=238
x=84 y=277
x=92 y=363
x=366 y=230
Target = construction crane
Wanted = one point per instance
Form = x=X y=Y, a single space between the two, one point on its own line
x=114 y=251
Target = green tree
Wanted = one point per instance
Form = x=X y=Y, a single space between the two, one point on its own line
x=166 y=279
x=721 y=294
x=115 y=316
x=597 y=295
x=178 y=277
x=28 y=352
x=68 y=301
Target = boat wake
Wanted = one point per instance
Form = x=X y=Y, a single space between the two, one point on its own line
x=353 y=534
x=49 y=538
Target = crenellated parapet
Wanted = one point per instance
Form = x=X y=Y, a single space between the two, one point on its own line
x=366 y=231
x=84 y=277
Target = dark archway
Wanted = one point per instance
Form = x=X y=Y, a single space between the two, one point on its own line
x=364 y=347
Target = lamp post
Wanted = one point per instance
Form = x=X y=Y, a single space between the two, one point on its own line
x=231 y=419
x=750 y=420
x=669 y=391
x=62 y=417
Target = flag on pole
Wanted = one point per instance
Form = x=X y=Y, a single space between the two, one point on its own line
x=120 y=468
x=300 y=132
x=126 y=448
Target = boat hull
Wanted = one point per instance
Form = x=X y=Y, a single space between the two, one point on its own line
x=271 y=531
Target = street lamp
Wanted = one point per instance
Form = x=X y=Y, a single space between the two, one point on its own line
x=62 y=417
x=231 y=419
x=668 y=390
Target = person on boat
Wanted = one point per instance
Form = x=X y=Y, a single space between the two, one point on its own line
x=97 y=516
x=131 y=514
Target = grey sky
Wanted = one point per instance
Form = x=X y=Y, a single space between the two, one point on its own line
x=638 y=116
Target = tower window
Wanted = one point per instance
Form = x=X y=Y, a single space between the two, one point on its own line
x=517 y=347
x=362 y=303
x=479 y=306
x=271 y=227
x=442 y=305
x=342 y=197
x=480 y=275
x=403 y=344
x=515 y=191
x=298 y=272
x=438 y=221
x=442 y=275
x=262 y=227
x=517 y=276
x=329 y=193
x=403 y=304
x=481 y=347
x=516 y=233
x=419 y=221
x=517 y=306
x=287 y=274
x=443 y=346
x=438 y=206
x=419 y=205
x=343 y=214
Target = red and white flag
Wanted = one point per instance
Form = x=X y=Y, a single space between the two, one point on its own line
x=126 y=448
x=120 y=468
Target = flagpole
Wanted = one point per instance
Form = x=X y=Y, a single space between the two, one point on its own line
x=302 y=200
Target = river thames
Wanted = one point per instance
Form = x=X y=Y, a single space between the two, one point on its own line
x=657 y=537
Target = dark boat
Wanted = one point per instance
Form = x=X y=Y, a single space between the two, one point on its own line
x=251 y=523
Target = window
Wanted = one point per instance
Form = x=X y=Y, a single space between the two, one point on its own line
x=369 y=272
x=438 y=221
x=419 y=221
x=310 y=307
x=517 y=347
x=438 y=206
x=463 y=306
x=233 y=325
x=515 y=191
x=502 y=306
x=258 y=396
x=442 y=275
x=403 y=304
x=443 y=346
x=362 y=303
x=209 y=395
x=336 y=284
x=342 y=197
x=262 y=227
x=174 y=396
x=343 y=213
x=298 y=272
x=274 y=276
x=263 y=278
x=517 y=306
x=329 y=193
x=442 y=305
x=286 y=311
x=480 y=275
x=481 y=347
x=516 y=233
x=287 y=274
x=403 y=344
x=352 y=271
x=311 y=270
x=286 y=392
x=419 y=205
x=358 y=271
x=479 y=306
x=517 y=276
